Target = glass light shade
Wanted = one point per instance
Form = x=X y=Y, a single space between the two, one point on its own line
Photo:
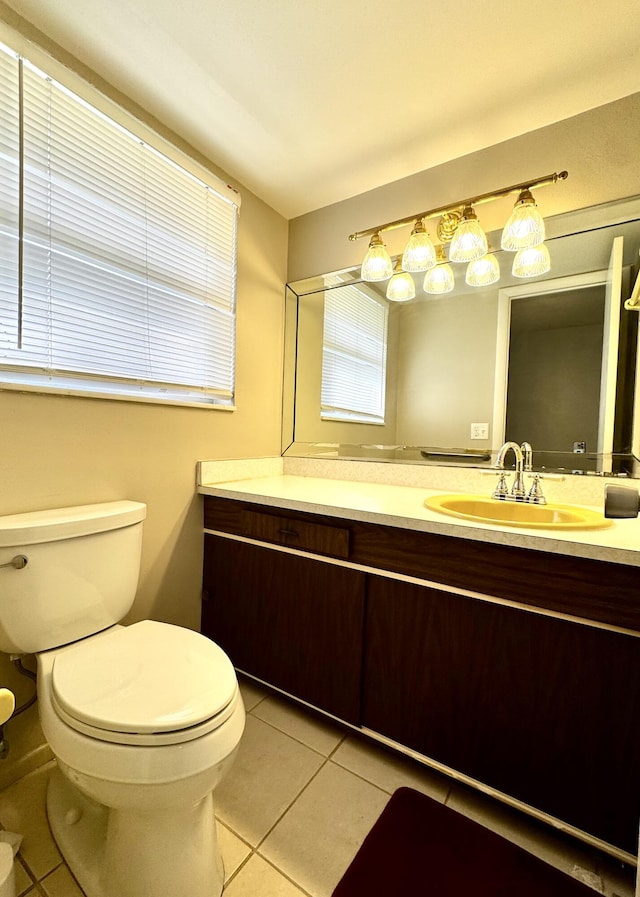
x=401 y=287
x=377 y=264
x=525 y=226
x=482 y=272
x=439 y=280
x=469 y=241
x=531 y=262
x=419 y=253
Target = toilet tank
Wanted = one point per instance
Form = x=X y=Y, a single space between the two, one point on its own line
x=80 y=575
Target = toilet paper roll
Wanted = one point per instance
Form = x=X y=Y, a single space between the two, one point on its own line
x=620 y=501
x=7 y=705
x=7 y=872
x=12 y=839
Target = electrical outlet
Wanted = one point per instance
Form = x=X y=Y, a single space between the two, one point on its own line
x=479 y=431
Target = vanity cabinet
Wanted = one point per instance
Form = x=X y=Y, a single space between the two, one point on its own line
x=291 y=621
x=505 y=665
x=542 y=709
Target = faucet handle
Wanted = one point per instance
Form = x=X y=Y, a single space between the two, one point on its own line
x=535 y=492
x=502 y=489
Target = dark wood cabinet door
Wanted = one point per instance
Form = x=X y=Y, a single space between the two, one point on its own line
x=543 y=709
x=291 y=621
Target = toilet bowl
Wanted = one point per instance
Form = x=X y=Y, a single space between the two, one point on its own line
x=139 y=761
x=144 y=720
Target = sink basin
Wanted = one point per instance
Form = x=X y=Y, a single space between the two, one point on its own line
x=509 y=513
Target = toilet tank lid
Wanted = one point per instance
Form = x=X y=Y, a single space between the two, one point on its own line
x=34 y=527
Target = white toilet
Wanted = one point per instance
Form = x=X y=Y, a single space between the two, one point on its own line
x=144 y=720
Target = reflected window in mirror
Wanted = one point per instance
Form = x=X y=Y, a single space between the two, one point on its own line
x=354 y=355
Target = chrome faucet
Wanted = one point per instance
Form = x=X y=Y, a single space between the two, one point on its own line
x=517 y=490
x=524 y=461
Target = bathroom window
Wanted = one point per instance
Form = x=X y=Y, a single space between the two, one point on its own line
x=117 y=264
x=354 y=355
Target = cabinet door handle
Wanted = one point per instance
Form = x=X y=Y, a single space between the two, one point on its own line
x=288 y=532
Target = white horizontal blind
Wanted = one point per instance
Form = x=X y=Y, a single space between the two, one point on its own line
x=129 y=262
x=9 y=195
x=354 y=355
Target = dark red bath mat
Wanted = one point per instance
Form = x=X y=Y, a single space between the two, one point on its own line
x=420 y=848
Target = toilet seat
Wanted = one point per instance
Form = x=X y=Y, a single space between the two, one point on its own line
x=146 y=684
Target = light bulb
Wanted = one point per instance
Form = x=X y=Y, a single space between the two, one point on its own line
x=483 y=272
x=419 y=253
x=377 y=264
x=469 y=241
x=525 y=226
x=439 y=280
x=401 y=287
x=531 y=262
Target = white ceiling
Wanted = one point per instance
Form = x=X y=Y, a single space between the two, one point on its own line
x=308 y=102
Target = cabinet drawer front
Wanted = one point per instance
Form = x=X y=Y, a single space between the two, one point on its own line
x=316 y=537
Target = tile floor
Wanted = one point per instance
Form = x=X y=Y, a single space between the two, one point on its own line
x=295 y=808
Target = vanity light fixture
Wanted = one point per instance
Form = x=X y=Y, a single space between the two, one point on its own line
x=531 y=262
x=457 y=221
x=483 y=272
x=419 y=253
x=377 y=264
x=525 y=226
x=440 y=279
x=401 y=287
x=469 y=241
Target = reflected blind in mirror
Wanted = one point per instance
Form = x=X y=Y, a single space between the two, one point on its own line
x=354 y=355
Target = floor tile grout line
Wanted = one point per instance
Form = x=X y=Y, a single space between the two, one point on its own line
x=327 y=761
x=284 y=874
x=334 y=750
x=32 y=875
x=236 y=872
x=331 y=754
x=328 y=758
x=289 y=806
x=19 y=859
x=256 y=853
x=291 y=803
x=73 y=878
x=364 y=778
x=295 y=738
x=255 y=849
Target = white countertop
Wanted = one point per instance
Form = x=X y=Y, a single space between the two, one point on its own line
x=403 y=506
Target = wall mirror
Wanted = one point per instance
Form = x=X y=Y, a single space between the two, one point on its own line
x=551 y=360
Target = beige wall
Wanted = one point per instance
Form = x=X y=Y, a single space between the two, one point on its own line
x=598 y=148
x=59 y=450
x=442 y=391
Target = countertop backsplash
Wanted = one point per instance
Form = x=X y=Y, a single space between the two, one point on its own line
x=569 y=489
